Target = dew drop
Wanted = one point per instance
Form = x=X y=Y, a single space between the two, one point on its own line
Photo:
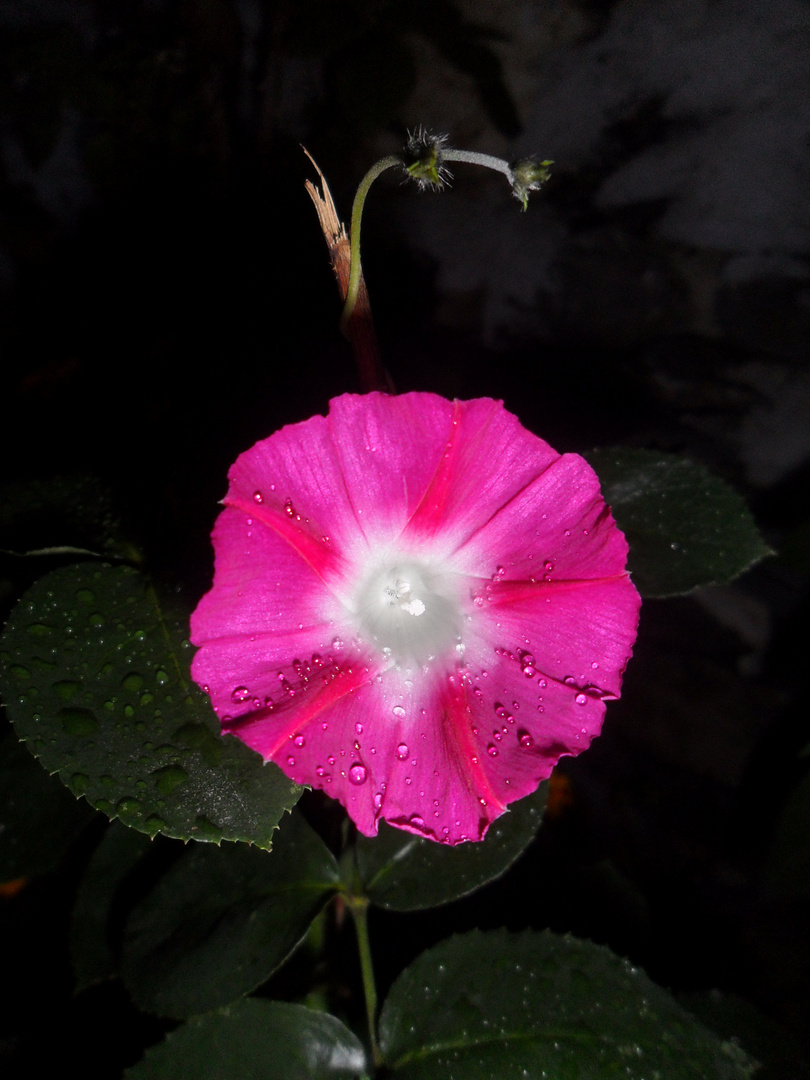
x=398 y=711
x=290 y=760
x=258 y=497
x=299 y=740
x=377 y=800
x=241 y=693
x=402 y=751
x=548 y=565
x=358 y=775
x=580 y=699
x=358 y=729
x=492 y=750
x=416 y=821
x=525 y=739
x=319 y=770
x=289 y=509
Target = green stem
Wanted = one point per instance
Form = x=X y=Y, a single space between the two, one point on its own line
x=488 y=161
x=358 y=905
x=355 y=269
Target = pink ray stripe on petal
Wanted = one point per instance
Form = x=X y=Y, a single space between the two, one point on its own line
x=296 y=472
x=489 y=457
x=522 y=735
x=423 y=763
x=556 y=526
x=261 y=585
x=273 y=734
x=248 y=672
x=324 y=560
x=388 y=449
x=583 y=634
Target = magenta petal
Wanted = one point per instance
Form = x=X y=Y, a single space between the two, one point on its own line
x=296 y=475
x=488 y=458
x=391 y=456
x=556 y=527
x=580 y=633
x=521 y=734
x=418 y=606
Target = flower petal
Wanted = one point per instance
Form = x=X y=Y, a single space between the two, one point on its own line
x=556 y=527
x=488 y=458
x=388 y=449
x=296 y=474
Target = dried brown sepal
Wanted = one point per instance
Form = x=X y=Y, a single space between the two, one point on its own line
x=360 y=328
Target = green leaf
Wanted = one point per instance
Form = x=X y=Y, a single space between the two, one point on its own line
x=402 y=872
x=685 y=527
x=490 y=1005
x=38 y=818
x=91 y=947
x=96 y=678
x=256 y=1040
x=222 y=920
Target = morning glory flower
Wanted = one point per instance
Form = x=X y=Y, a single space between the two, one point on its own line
x=418 y=606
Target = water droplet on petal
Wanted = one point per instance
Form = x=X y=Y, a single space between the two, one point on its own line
x=258 y=497
x=416 y=821
x=358 y=728
x=398 y=710
x=580 y=699
x=377 y=800
x=525 y=739
x=402 y=751
x=290 y=760
x=492 y=750
x=299 y=740
x=241 y=693
x=358 y=774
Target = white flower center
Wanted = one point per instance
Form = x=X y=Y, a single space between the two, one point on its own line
x=410 y=610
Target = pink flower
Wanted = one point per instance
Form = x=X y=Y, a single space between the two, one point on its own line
x=418 y=606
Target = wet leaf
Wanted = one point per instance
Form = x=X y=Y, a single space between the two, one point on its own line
x=486 y=1005
x=685 y=527
x=256 y=1040
x=95 y=676
x=403 y=872
x=221 y=920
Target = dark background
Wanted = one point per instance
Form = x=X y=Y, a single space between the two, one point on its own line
x=166 y=300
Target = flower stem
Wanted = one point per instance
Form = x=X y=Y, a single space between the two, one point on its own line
x=360 y=330
x=355 y=269
x=488 y=161
x=358 y=905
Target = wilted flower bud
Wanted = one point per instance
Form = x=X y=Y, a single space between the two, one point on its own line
x=529 y=174
x=423 y=157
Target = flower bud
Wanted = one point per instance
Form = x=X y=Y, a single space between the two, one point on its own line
x=423 y=158
x=529 y=174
